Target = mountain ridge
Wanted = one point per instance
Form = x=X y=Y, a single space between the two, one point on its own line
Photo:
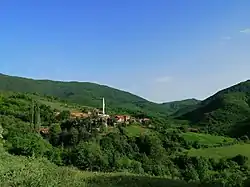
x=88 y=94
x=224 y=111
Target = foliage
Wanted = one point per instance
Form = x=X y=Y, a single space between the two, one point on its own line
x=162 y=147
x=23 y=172
x=1 y=135
x=136 y=130
x=90 y=94
x=207 y=140
x=180 y=107
x=226 y=112
x=222 y=152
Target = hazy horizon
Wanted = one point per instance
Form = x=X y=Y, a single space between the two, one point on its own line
x=159 y=50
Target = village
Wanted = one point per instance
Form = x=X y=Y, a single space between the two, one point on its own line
x=102 y=114
x=95 y=113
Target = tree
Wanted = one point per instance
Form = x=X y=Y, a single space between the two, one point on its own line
x=190 y=174
x=88 y=156
x=54 y=155
x=240 y=159
x=74 y=136
x=37 y=118
x=1 y=133
x=28 y=145
x=32 y=113
x=47 y=115
x=202 y=168
x=64 y=115
x=54 y=133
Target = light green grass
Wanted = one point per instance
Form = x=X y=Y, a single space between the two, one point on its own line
x=222 y=152
x=60 y=105
x=137 y=130
x=206 y=139
x=57 y=105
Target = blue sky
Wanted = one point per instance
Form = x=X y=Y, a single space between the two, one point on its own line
x=158 y=49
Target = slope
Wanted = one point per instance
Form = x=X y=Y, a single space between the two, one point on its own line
x=178 y=108
x=18 y=105
x=223 y=152
x=84 y=93
x=76 y=142
x=22 y=171
x=223 y=111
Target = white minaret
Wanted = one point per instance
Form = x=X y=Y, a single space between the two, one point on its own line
x=103 y=112
x=103 y=106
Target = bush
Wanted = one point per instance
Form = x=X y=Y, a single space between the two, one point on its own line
x=28 y=145
x=240 y=159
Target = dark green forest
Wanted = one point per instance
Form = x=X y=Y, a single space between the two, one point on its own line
x=159 y=154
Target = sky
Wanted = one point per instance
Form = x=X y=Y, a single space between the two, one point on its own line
x=162 y=50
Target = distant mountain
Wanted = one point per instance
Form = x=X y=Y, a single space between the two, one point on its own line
x=226 y=112
x=88 y=94
x=177 y=108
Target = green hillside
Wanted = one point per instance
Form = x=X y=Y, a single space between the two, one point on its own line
x=226 y=112
x=242 y=87
x=177 y=108
x=85 y=93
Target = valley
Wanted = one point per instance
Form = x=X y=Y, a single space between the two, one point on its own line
x=68 y=135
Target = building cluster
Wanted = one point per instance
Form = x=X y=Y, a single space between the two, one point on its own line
x=120 y=118
x=102 y=114
x=126 y=118
x=117 y=118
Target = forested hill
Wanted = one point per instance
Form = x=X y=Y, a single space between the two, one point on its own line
x=85 y=93
x=243 y=87
x=225 y=112
x=88 y=94
x=177 y=108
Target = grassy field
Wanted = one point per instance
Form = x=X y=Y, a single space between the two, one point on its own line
x=61 y=106
x=206 y=139
x=136 y=130
x=57 y=105
x=223 y=152
x=32 y=172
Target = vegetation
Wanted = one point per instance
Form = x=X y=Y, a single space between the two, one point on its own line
x=226 y=113
x=44 y=143
x=207 y=140
x=39 y=172
x=223 y=152
x=90 y=94
x=177 y=108
x=137 y=130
